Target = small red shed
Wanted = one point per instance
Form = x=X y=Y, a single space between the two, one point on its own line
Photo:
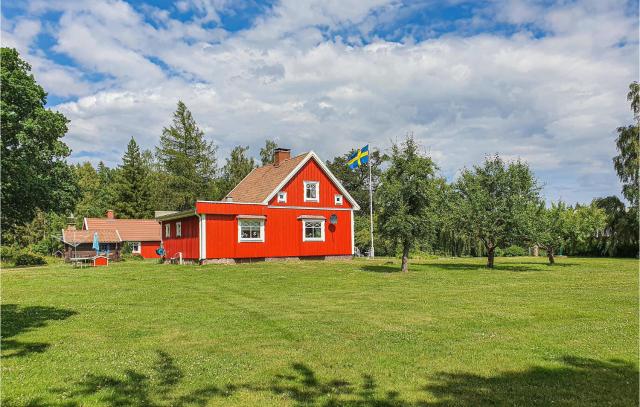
x=293 y=208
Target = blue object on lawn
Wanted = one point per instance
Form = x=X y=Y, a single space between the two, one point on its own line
x=96 y=243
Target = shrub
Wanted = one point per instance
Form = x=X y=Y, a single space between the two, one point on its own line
x=29 y=259
x=513 y=251
x=126 y=249
x=132 y=256
x=42 y=248
x=8 y=253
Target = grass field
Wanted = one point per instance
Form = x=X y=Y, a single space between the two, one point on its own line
x=353 y=333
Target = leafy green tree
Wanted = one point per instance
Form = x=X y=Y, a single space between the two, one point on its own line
x=356 y=181
x=266 y=152
x=626 y=162
x=133 y=196
x=554 y=228
x=237 y=167
x=43 y=234
x=588 y=222
x=90 y=203
x=497 y=203
x=188 y=161
x=408 y=198
x=620 y=234
x=35 y=174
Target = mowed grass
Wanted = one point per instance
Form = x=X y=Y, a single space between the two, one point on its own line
x=355 y=333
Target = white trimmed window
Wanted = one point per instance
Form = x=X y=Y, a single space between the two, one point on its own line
x=135 y=247
x=338 y=199
x=178 y=229
x=167 y=230
x=312 y=230
x=311 y=191
x=250 y=230
x=282 y=197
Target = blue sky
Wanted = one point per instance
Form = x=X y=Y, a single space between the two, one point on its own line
x=542 y=81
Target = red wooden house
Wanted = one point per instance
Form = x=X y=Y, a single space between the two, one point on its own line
x=143 y=235
x=293 y=208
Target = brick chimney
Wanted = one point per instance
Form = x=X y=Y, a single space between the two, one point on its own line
x=281 y=154
x=110 y=214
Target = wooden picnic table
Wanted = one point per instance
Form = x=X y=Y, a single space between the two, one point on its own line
x=81 y=261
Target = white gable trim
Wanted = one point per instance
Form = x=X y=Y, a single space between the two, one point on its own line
x=324 y=168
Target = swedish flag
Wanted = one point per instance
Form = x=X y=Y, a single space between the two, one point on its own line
x=359 y=157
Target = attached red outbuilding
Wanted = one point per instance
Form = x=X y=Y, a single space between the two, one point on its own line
x=293 y=208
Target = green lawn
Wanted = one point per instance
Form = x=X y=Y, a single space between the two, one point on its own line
x=353 y=333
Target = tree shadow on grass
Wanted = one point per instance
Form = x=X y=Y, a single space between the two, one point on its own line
x=372 y=268
x=575 y=382
x=579 y=382
x=16 y=320
x=529 y=266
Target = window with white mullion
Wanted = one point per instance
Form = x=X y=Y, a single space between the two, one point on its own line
x=311 y=191
x=313 y=230
x=251 y=230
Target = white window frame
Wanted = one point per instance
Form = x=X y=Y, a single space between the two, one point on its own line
x=133 y=250
x=241 y=239
x=313 y=239
x=167 y=230
x=282 y=197
x=317 y=184
x=178 y=229
x=338 y=199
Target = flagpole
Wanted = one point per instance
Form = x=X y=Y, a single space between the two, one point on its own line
x=371 y=252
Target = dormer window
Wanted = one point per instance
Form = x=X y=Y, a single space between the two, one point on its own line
x=311 y=191
x=338 y=199
x=282 y=197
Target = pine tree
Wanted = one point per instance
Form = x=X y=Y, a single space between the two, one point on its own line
x=187 y=160
x=237 y=167
x=132 y=187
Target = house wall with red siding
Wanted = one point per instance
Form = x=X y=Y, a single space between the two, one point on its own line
x=187 y=244
x=283 y=235
x=295 y=189
x=148 y=250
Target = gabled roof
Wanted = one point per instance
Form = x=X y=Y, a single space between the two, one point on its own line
x=263 y=183
x=75 y=237
x=260 y=182
x=131 y=230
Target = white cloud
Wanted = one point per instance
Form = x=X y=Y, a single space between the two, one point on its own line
x=553 y=101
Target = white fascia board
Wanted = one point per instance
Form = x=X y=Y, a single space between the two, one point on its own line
x=324 y=168
x=179 y=215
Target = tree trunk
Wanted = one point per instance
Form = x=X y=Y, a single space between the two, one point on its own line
x=550 y=255
x=405 y=257
x=490 y=256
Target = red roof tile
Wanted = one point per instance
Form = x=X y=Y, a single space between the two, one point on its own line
x=261 y=182
x=131 y=230
x=75 y=237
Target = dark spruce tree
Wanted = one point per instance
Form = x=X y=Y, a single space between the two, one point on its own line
x=35 y=174
x=187 y=162
x=133 y=195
